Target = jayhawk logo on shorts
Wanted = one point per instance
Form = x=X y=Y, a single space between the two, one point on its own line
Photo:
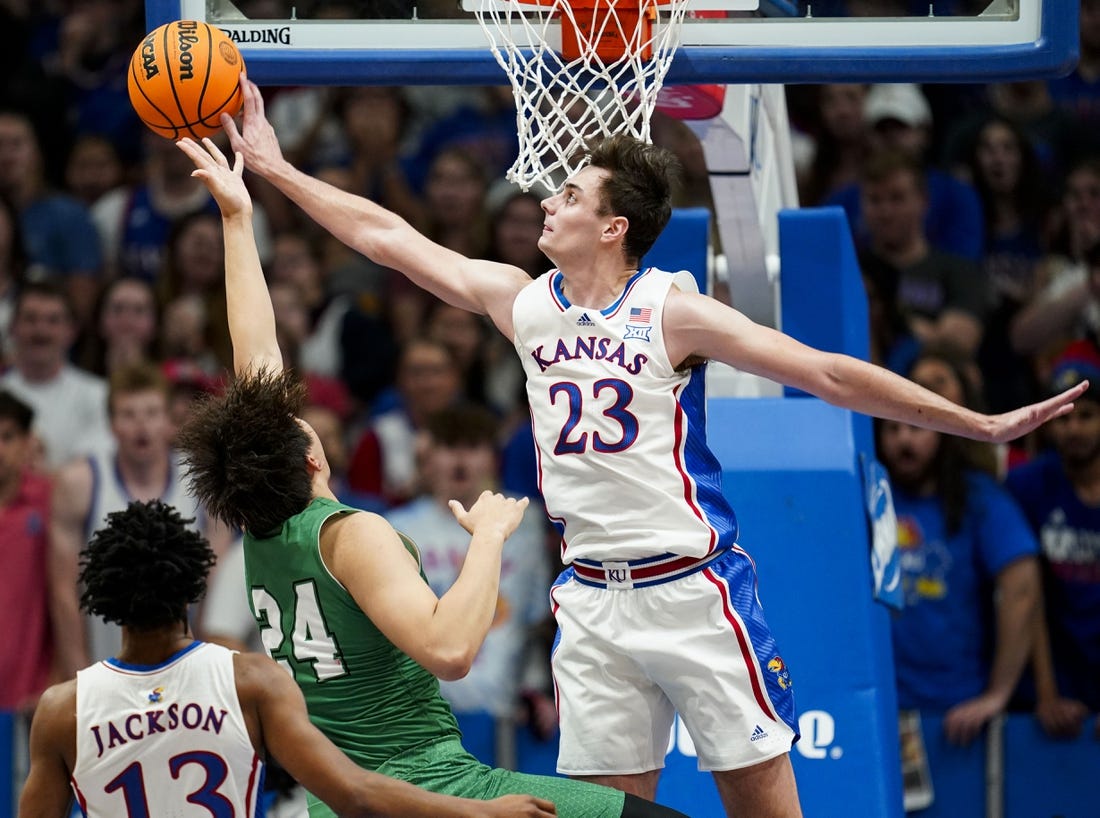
x=779 y=668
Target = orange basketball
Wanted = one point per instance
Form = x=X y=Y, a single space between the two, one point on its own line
x=182 y=77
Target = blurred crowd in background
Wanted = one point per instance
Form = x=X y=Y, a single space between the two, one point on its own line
x=975 y=210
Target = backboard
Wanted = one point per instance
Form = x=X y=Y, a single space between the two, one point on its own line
x=439 y=41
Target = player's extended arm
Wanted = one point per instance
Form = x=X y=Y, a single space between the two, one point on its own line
x=698 y=325
x=248 y=303
x=46 y=792
x=319 y=766
x=70 y=502
x=442 y=634
x=1017 y=599
x=483 y=287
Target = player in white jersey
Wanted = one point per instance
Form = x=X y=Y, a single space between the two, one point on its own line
x=651 y=418
x=123 y=710
x=141 y=466
x=176 y=727
x=634 y=609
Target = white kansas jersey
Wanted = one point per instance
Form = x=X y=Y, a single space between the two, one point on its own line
x=164 y=740
x=109 y=493
x=620 y=434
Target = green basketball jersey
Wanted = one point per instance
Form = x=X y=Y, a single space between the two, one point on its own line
x=368 y=697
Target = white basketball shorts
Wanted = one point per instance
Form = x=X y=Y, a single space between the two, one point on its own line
x=627 y=659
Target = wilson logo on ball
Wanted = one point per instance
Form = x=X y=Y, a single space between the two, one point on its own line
x=185 y=39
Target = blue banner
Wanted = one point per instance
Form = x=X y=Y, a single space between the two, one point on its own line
x=885 y=563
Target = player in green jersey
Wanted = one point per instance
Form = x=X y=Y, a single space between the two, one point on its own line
x=339 y=595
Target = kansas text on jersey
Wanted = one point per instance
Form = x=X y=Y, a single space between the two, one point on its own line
x=620 y=432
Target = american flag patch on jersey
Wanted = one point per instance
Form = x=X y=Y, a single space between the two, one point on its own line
x=640 y=315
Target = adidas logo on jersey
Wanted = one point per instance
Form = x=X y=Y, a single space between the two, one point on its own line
x=585 y=321
x=758 y=733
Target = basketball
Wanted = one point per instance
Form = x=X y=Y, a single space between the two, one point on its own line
x=182 y=77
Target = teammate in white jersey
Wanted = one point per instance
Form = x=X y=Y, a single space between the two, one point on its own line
x=658 y=609
x=172 y=726
x=141 y=465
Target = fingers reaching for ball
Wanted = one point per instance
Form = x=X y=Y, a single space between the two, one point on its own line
x=225 y=182
x=255 y=139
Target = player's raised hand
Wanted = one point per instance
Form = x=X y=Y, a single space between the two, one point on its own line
x=256 y=139
x=518 y=806
x=1019 y=422
x=491 y=512
x=225 y=182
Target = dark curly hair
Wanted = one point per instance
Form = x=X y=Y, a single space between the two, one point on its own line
x=144 y=567
x=245 y=452
x=639 y=187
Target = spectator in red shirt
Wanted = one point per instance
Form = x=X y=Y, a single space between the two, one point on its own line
x=26 y=662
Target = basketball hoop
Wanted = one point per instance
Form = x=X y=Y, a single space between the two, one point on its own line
x=602 y=79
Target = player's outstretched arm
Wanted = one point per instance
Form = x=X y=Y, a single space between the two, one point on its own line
x=46 y=792
x=319 y=766
x=483 y=287
x=698 y=325
x=442 y=634
x=251 y=316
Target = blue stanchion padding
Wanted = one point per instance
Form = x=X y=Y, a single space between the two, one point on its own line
x=535 y=756
x=479 y=736
x=958 y=774
x=7 y=762
x=822 y=295
x=682 y=245
x=1047 y=777
x=791 y=470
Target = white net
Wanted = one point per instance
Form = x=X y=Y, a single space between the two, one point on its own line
x=600 y=76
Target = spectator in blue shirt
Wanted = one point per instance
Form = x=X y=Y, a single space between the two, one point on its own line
x=57 y=230
x=1059 y=491
x=969 y=573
